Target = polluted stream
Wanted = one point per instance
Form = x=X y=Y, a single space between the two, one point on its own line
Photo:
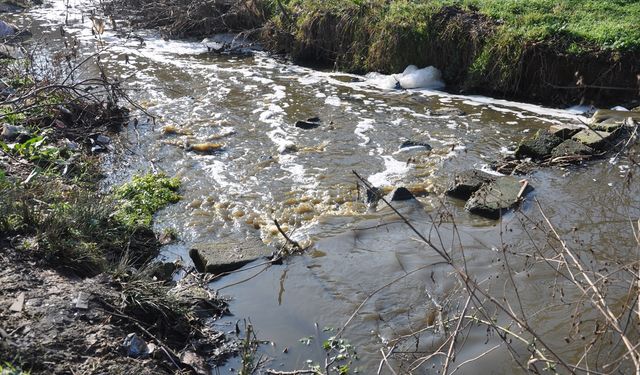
x=363 y=267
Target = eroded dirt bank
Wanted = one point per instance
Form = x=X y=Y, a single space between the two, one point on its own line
x=528 y=54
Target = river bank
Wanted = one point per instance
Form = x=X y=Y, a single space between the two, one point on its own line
x=81 y=290
x=557 y=54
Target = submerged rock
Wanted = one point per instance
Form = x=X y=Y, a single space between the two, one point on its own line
x=493 y=198
x=468 y=182
x=205 y=148
x=448 y=112
x=410 y=143
x=571 y=147
x=538 y=147
x=227 y=255
x=595 y=139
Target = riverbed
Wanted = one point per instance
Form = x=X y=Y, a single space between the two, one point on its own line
x=364 y=270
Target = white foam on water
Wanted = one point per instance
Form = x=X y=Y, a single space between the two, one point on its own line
x=333 y=100
x=217 y=169
x=364 y=126
x=619 y=108
x=411 y=78
x=487 y=169
x=394 y=170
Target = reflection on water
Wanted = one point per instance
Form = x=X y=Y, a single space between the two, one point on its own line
x=366 y=265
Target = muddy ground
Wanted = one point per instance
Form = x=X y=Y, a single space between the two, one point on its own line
x=51 y=323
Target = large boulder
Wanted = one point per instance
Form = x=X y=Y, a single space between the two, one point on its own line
x=227 y=254
x=493 y=198
x=468 y=182
x=539 y=146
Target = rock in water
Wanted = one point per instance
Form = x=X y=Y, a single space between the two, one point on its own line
x=399 y=194
x=598 y=140
x=468 y=182
x=565 y=131
x=310 y=123
x=227 y=255
x=570 y=148
x=410 y=143
x=448 y=112
x=538 y=147
x=7 y=29
x=493 y=198
x=610 y=125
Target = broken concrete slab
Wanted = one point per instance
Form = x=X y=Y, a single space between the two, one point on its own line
x=493 y=198
x=468 y=182
x=227 y=254
x=18 y=303
x=610 y=125
x=606 y=114
x=565 y=131
x=595 y=139
x=539 y=146
x=82 y=301
x=571 y=147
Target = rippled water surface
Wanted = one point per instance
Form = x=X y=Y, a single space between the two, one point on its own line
x=267 y=169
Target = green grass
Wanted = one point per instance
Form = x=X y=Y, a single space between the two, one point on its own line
x=74 y=228
x=609 y=24
x=7 y=368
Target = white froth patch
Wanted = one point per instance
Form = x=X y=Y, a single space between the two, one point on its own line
x=486 y=169
x=216 y=169
x=394 y=169
x=333 y=100
x=364 y=126
x=279 y=93
x=411 y=78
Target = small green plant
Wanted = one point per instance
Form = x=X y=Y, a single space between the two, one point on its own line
x=139 y=199
x=340 y=353
x=7 y=368
x=4 y=182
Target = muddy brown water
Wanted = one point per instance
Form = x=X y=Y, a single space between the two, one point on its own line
x=250 y=105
